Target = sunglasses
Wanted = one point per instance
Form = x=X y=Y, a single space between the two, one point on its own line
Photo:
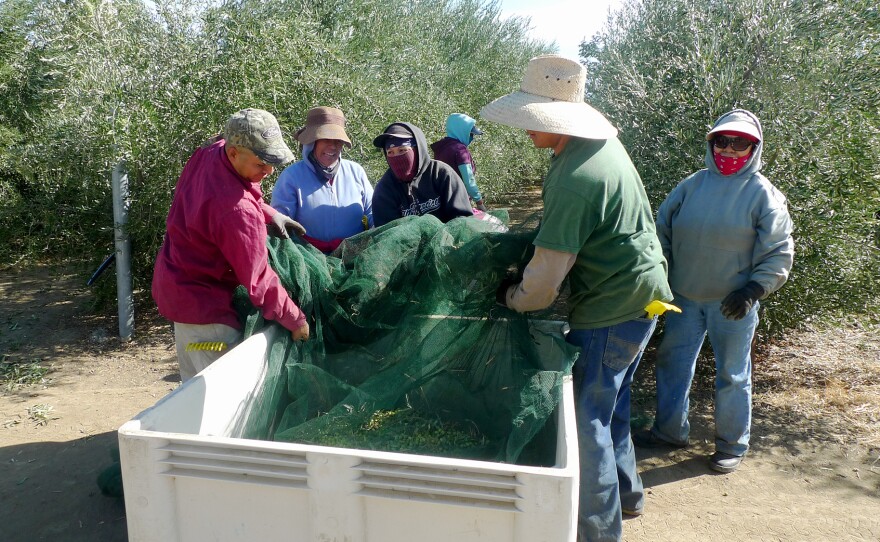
x=738 y=143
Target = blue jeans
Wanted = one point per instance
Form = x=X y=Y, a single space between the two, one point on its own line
x=603 y=374
x=731 y=341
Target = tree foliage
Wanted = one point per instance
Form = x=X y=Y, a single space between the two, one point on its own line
x=85 y=84
x=664 y=70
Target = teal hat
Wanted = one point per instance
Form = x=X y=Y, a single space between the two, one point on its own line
x=258 y=131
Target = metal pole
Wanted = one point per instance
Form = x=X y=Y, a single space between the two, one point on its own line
x=121 y=206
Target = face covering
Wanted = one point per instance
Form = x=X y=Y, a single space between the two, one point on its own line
x=327 y=172
x=727 y=165
x=403 y=166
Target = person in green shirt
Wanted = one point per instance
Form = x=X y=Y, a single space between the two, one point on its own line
x=598 y=231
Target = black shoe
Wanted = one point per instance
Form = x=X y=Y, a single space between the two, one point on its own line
x=647 y=439
x=724 y=463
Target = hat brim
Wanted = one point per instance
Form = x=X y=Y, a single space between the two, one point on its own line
x=740 y=126
x=275 y=156
x=380 y=139
x=309 y=134
x=541 y=114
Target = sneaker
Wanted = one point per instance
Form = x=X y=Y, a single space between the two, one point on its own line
x=724 y=463
x=633 y=513
x=647 y=439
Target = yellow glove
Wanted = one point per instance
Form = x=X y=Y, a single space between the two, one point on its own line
x=657 y=308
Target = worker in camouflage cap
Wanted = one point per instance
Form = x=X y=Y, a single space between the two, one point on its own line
x=216 y=240
x=258 y=131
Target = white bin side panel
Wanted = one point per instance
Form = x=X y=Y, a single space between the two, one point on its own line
x=233 y=512
x=402 y=521
x=149 y=497
x=548 y=509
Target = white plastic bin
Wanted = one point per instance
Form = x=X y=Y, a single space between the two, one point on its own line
x=187 y=478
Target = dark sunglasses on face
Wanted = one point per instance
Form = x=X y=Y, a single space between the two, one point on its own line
x=738 y=143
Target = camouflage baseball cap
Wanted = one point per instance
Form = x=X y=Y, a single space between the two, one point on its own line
x=258 y=131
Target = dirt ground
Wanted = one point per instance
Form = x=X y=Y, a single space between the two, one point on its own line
x=813 y=472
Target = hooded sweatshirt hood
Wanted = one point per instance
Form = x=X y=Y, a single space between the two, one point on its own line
x=422 y=154
x=737 y=118
x=459 y=126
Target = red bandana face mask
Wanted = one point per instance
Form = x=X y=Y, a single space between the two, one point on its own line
x=403 y=166
x=729 y=166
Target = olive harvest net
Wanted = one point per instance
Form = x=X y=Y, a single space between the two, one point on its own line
x=409 y=351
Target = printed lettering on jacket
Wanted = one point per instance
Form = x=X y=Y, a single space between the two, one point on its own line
x=419 y=209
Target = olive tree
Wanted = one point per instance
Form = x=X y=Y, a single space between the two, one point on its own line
x=144 y=83
x=664 y=70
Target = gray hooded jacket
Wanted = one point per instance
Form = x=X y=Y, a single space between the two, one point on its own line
x=720 y=232
x=436 y=189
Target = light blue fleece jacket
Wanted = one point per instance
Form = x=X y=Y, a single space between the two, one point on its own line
x=327 y=211
x=720 y=232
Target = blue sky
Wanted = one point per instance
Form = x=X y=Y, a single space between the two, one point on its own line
x=567 y=22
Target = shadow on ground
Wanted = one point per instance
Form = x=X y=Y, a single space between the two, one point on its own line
x=37 y=476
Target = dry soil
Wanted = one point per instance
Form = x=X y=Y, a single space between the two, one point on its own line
x=813 y=472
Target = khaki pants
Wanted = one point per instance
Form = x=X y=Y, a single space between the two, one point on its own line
x=194 y=361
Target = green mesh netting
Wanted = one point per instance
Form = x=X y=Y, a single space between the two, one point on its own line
x=409 y=351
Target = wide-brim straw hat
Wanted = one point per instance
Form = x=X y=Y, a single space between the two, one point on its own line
x=551 y=99
x=323 y=123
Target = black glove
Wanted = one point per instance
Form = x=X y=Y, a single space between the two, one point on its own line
x=501 y=292
x=281 y=223
x=738 y=303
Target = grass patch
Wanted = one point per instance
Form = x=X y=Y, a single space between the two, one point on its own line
x=18 y=375
x=41 y=414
